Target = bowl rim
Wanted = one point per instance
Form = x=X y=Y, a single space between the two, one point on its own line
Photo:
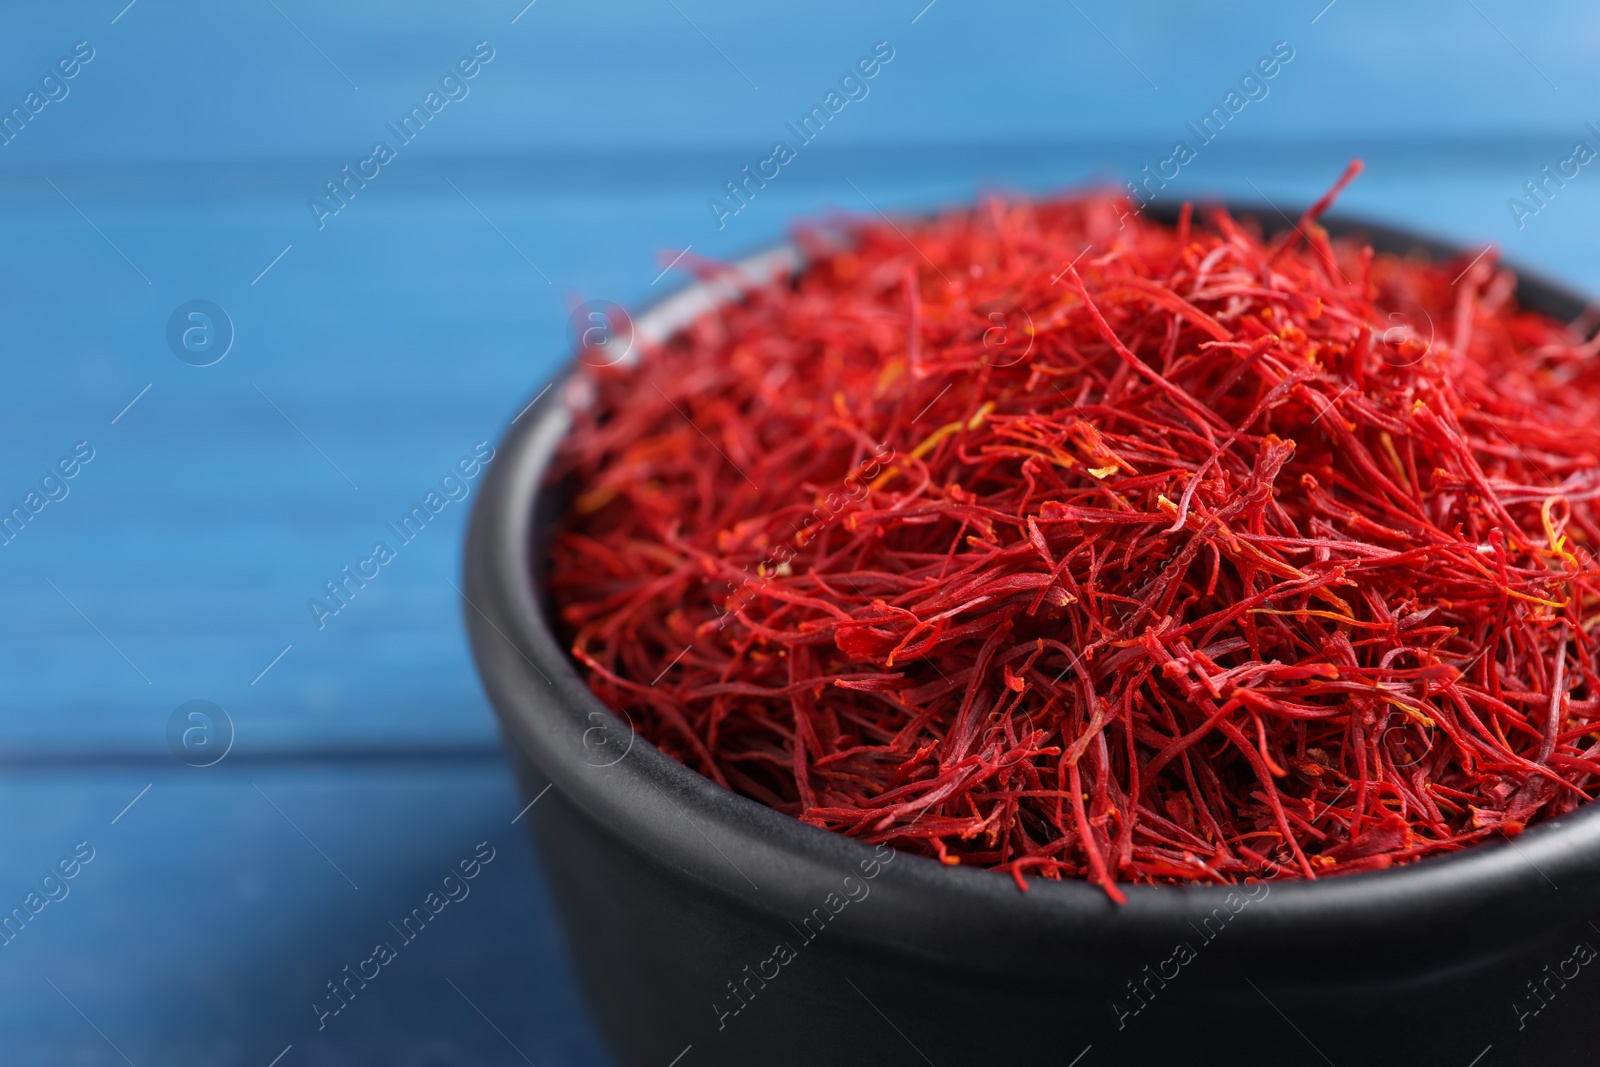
x=1435 y=912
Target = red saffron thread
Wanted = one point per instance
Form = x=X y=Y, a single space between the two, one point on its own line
x=1213 y=557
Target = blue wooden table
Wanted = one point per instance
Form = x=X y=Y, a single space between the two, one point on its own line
x=356 y=345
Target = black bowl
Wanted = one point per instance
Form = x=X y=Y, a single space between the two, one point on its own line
x=710 y=929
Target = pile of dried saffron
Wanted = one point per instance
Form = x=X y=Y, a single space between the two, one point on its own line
x=1209 y=556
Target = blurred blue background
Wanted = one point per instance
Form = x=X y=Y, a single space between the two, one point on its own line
x=373 y=348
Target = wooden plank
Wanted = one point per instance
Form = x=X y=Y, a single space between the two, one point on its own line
x=216 y=908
